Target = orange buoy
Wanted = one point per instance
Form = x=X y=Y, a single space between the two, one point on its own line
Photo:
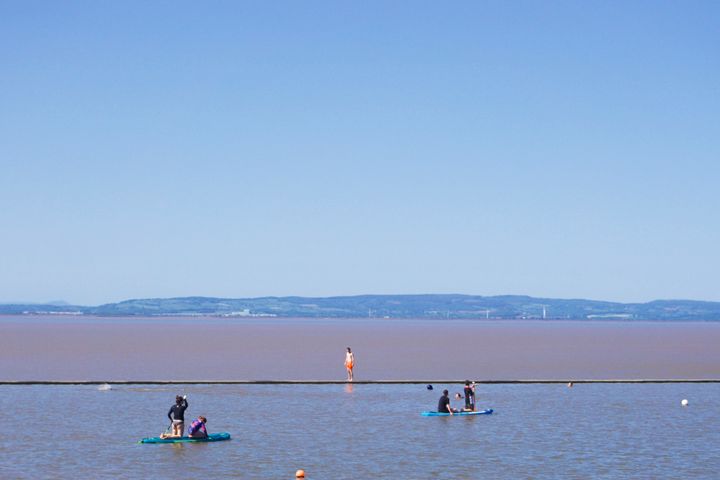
x=300 y=473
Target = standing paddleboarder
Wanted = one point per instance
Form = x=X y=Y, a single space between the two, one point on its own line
x=469 y=392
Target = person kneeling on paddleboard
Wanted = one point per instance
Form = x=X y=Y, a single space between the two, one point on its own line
x=444 y=404
x=177 y=416
x=197 y=428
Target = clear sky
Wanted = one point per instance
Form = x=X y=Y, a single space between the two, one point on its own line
x=550 y=148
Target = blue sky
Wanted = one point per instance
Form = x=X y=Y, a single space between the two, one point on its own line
x=159 y=149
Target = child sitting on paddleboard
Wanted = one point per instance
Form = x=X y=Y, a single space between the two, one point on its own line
x=197 y=428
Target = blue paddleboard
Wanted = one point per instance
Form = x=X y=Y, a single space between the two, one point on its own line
x=438 y=414
x=213 y=437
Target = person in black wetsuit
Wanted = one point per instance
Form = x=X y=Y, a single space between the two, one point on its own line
x=444 y=404
x=177 y=415
x=469 y=392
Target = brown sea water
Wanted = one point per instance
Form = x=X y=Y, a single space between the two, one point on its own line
x=613 y=431
x=163 y=348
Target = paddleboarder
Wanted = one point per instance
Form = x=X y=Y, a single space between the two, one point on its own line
x=197 y=428
x=177 y=416
x=469 y=392
x=444 y=404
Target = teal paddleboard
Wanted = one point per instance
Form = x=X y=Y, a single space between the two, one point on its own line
x=438 y=414
x=213 y=437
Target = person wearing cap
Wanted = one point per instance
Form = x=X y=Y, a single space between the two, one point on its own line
x=444 y=404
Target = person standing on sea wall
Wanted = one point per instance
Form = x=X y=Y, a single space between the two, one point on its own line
x=349 y=364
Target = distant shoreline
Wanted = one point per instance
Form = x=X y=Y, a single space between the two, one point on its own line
x=354 y=319
x=431 y=306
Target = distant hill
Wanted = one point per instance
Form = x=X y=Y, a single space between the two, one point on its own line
x=392 y=306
